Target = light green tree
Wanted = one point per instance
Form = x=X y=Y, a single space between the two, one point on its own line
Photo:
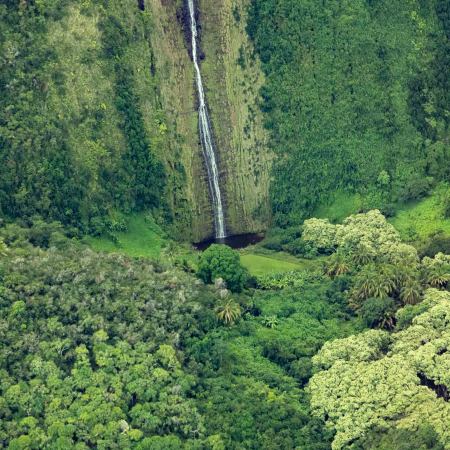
x=368 y=235
x=385 y=381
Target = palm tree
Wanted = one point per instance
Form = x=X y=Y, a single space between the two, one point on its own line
x=363 y=286
x=438 y=276
x=404 y=274
x=387 y=321
x=171 y=250
x=336 y=265
x=382 y=286
x=228 y=311
x=370 y=283
x=410 y=293
x=384 y=268
x=361 y=255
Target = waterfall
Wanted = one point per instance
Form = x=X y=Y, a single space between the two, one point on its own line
x=206 y=135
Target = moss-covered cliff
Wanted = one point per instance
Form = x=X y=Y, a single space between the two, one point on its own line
x=99 y=115
x=232 y=79
x=192 y=206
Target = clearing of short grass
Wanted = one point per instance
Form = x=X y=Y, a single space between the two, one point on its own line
x=137 y=241
x=260 y=265
x=343 y=206
x=419 y=219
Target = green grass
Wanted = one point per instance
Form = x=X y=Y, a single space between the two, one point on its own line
x=138 y=240
x=417 y=220
x=260 y=265
x=343 y=206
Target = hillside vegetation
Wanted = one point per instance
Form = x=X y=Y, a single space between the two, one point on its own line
x=331 y=123
x=98 y=110
x=356 y=99
x=74 y=144
x=105 y=351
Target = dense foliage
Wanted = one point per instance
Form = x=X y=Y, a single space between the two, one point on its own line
x=104 y=351
x=73 y=144
x=101 y=350
x=355 y=98
x=384 y=380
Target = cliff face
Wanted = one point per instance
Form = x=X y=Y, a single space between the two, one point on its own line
x=232 y=79
x=190 y=200
x=118 y=84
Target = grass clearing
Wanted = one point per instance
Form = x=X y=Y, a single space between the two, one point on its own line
x=138 y=240
x=343 y=206
x=260 y=265
x=417 y=220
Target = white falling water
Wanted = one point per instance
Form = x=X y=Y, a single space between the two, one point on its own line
x=205 y=135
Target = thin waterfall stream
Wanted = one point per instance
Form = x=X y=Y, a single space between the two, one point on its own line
x=206 y=135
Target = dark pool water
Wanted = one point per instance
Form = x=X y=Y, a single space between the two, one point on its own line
x=238 y=241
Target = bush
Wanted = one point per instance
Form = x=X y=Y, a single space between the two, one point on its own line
x=277 y=239
x=437 y=243
x=281 y=280
x=406 y=315
x=388 y=210
x=273 y=243
x=221 y=261
x=96 y=226
x=416 y=189
x=297 y=247
x=116 y=221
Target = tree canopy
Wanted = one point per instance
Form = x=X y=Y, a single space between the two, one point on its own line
x=378 y=380
x=221 y=261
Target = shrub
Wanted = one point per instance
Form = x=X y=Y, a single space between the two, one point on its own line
x=116 y=221
x=416 y=189
x=278 y=239
x=388 y=210
x=281 y=280
x=96 y=225
x=437 y=243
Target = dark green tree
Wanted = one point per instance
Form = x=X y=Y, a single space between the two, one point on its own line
x=221 y=261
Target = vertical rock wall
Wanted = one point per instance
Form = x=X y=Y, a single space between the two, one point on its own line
x=232 y=79
x=178 y=100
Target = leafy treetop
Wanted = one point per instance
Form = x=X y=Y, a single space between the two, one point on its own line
x=221 y=261
x=385 y=381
